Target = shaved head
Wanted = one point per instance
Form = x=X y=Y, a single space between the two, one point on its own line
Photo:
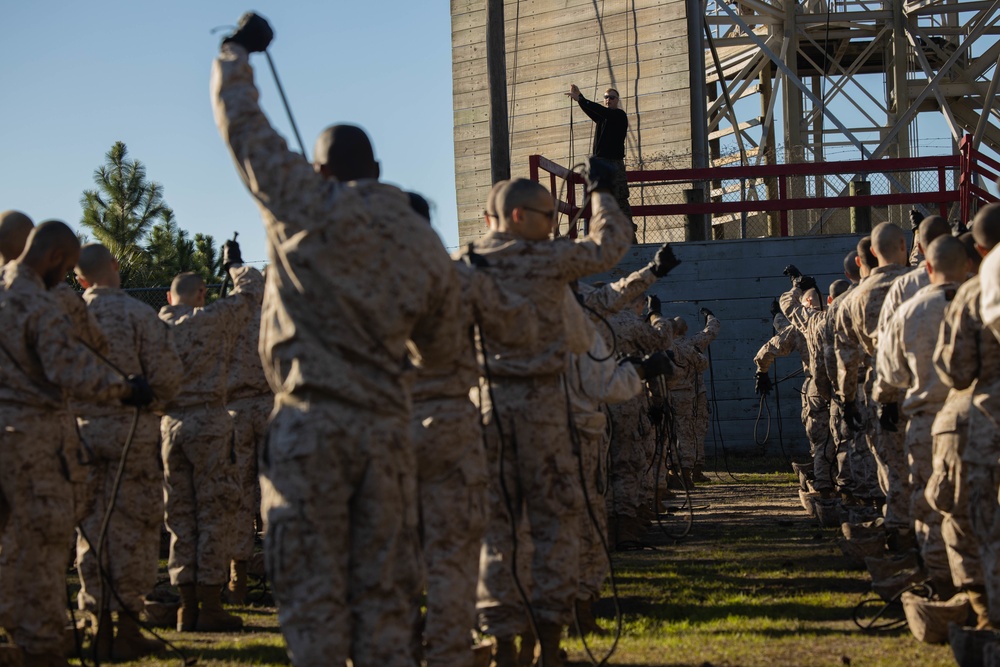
x=986 y=226
x=345 y=153
x=97 y=266
x=679 y=325
x=812 y=298
x=889 y=244
x=51 y=250
x=838 y=287
x=864 y=252
x=186 y=288
x=970 y=251
x=851 y=268
x=526 y=210
x=14 y=229
x=932 y=227
x=491 y=199
x=947 y=258
x=518 y=192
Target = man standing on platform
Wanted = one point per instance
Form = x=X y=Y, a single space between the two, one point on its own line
x=609 y=139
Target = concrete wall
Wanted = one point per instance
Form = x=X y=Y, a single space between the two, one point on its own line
x=737 y=281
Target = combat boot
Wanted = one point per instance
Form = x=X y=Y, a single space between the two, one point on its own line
x=129 y=643
x=237 y=588
x=549 y=635
x=526 y=652
x=698 y=474
x=212 y=617
x=504 y=652
x=187 y=613
x=688 y=480
x=585 y=619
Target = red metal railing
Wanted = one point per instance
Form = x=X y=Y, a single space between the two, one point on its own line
x=931 y=174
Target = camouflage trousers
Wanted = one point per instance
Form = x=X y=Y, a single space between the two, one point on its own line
x=702 y=424
x=250 y=416
x=860 y=469
x=948 y=493
x=592 y=429
x=926 y=520
x=451 y=466
x=338 y=487
x=682 y=406
x=39 y=522
x=893 y=472
x=200 y=493
x=631 y=436
x=131 y=548
x=534 y=478
x=984 y=517
x=816 y=419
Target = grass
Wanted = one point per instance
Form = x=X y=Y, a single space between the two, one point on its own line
x=756 y=584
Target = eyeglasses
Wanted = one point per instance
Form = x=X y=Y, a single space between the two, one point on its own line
x=611 y=97
x=548 y=214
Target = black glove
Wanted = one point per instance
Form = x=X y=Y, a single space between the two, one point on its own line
x=775 y=308
x=253 y=33
x=653 y=304
x=916 y=217
x=231 y=254
x=473 y=259
x=852 y=417
x=656 y=364
x=600 y=175
x=664 y=261
x=762 y=385
x=791 y=272
x=888 y=417
x=142 y=393
x=706 y=313
x=804 y=283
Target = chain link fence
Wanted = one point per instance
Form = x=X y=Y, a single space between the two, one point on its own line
x=157 y=296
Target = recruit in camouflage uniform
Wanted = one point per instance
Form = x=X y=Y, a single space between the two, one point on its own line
x=855 y=340
x=633 y=444
x=957 y=364
x=344 y=304
x=40 y=361
x=143 y=345
x=451 y=469
x=861 y=474
x=981 y=460
x=201 y=479
x=810 y=321
x=905 y=360
x=533 y=473
x=687 y=400
x=249 y=401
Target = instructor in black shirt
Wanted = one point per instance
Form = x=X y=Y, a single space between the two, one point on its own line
x=609 y=137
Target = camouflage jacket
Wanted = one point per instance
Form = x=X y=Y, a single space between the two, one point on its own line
x=41 y=359
x=142 y=344
x=204 y=338
x=857 y=326
x=246 y=370
x=782 y=344
x=359 y=287
x=812 y=324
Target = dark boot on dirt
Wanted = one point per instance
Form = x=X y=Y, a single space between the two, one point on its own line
x=187 y=614
x=674 y=481
x=504 y=652
x=104 y=637
x=212 y=617
x=526 y=654
x=236 y=591
x=585 y=619
x=130 y=644
x=687 y=478
x=549 y=636
x=698 y=474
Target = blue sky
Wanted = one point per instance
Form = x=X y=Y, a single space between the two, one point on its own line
x=76 y=77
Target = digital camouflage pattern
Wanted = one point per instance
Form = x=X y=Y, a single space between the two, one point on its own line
x=335 y=343
x=141 y=345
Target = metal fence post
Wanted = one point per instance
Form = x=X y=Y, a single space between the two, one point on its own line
x=695 y=224
x=861 y=216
